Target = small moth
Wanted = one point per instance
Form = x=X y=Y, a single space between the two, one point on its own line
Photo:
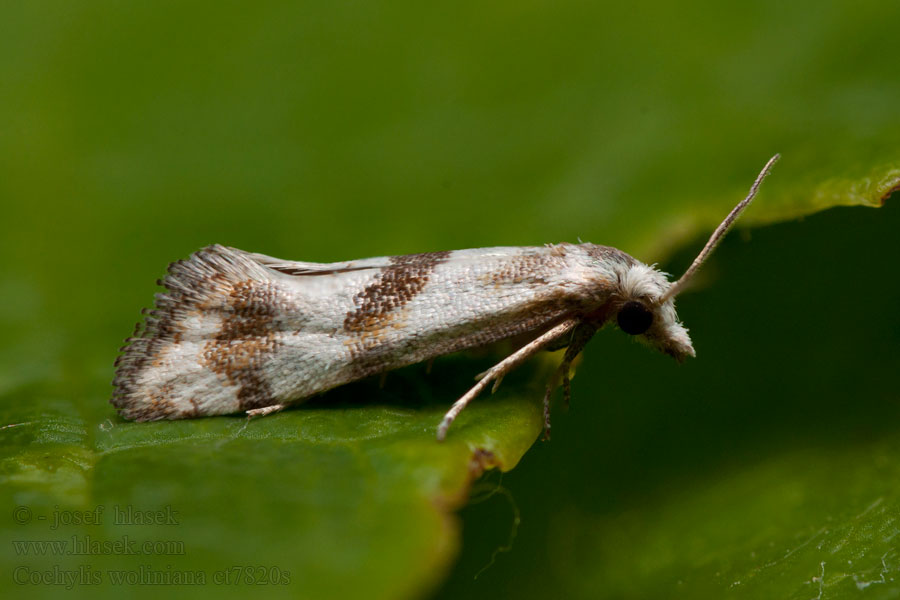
x=237 y=331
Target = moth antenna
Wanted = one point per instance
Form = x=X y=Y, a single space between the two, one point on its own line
x=719 y=233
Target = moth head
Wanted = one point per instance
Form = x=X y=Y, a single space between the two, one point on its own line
x=639 y=311
x=645 y=304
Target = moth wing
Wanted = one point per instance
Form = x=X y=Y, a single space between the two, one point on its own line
x=477 y=256
x=301 y=268
x=199 y=351
x=224 y=332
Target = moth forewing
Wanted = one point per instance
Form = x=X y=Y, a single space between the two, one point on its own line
x=236 y=331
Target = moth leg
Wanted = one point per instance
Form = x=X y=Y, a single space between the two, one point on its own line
x=546 y=436
x=265 y=410
x=563 y=341
x=502 y=368
x=580 y=338
x=561 y=371
x=567 y=389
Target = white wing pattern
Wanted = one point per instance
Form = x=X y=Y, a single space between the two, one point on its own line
x=237 y=331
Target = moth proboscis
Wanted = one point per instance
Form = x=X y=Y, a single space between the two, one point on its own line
x=237 y=331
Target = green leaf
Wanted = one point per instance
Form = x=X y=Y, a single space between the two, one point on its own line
x=338 y=498
x=817 y=521
x=134 y=134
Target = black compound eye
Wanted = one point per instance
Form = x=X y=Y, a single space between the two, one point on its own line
x=634 y=318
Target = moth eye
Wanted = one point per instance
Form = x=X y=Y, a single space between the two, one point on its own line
x=634 y=318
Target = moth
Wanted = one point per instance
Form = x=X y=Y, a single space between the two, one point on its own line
x=237 y=331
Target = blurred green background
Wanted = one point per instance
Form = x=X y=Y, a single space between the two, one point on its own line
x=132 y=134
